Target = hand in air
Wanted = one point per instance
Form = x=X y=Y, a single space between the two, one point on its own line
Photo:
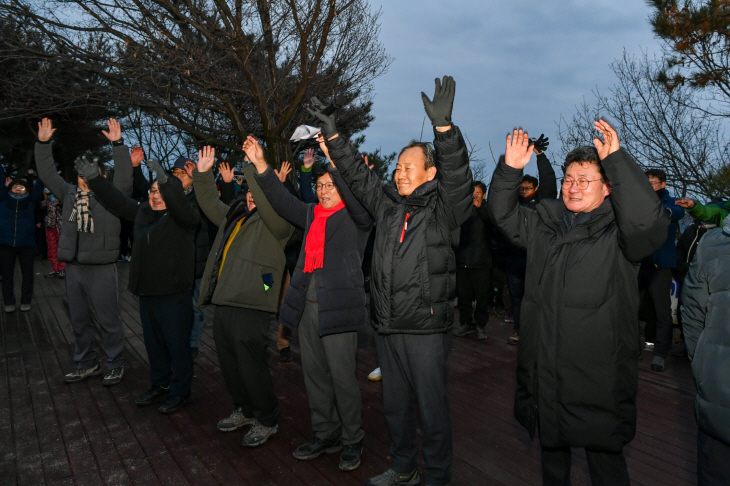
x=685 y=203
x=283 y=171
x=115 y=130
x=610 y=142
x=226 y=172
x=45 y=130
x=254 y=151
x=206 y=158
x=439 y=110
x=518 y=151
x=308 y=158
x=137 y=155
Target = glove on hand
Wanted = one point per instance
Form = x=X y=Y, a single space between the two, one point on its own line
x=328 y=121
x=155 y=167
x=88 y=169
x=439 y=110
x=541 y=144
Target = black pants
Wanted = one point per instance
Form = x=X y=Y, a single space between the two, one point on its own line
x=658 y=282
x=515 y=269
x=8 y=255
x=605 y=468
x=166 y=322
x=241 y=339
x=713 y=461
x=414 y=376
x=473 y=283
x=499 y=291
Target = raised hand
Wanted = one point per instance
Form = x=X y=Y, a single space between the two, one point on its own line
x=226 y=172
x=255 y=153
x=308 y=159
x=155 y=167
x=45 y=130
x=367 y=162
x=87 y=169
x=115 y=130
x=329 y=128
x=189 y=168
x=137 y=155
x=283 y=171
x=206 y=159
x=323 y=147
x=685 y=203
x=519 y=150
x=439 y=110
x=610 y=142
x=541 y=144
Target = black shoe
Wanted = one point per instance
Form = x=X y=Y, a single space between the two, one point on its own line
x=464 y=330
x=285 y=355
x=313 y=449
x=173 y=404
x=481 y=333
x=195 y=353
x=350 y=457
x=153 y=395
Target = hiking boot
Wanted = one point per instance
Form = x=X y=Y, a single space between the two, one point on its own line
x=82 y=374
x=51 y=274
x=153 y=395
x=195 y=353
x=464 y=330
x=259 y=434
x=350 y=457
x=375 y=375
x=657 y=364
x=392 y=478
x=173 y=404
x=514 y=339
x=285 y=355
x=235 y=421
x=24 y=307
x=113 y=377
x=9 y=309
x=481 y=333
x=317 y=447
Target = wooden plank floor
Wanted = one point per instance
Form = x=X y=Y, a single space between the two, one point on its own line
x=88 y=434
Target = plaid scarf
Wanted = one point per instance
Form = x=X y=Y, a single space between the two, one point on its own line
x=81 y=212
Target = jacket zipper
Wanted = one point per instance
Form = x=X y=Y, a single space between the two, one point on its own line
x=405 y=227
x=15 y=232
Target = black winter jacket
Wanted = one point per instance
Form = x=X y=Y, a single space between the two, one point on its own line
x=706 y=323
x=340 y=291
x=163 y=254
x=475 y=243
x=414 y=267
x=577 y=360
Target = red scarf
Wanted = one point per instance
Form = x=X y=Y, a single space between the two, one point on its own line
x=314 y=247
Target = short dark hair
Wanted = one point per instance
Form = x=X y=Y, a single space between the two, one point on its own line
x=658 y=173
x=584 y=155
x=318 y=170
x=481 y=186
x=20 y=182
x=531 y=179
x=427 y=149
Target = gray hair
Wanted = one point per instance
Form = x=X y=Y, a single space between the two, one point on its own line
x=425 y=147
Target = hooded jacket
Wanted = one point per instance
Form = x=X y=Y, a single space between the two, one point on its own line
x=577 y=360
x=17 y=214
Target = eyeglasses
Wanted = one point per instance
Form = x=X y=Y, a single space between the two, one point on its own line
x=179 y=173
x=19 y=188
x=655 y=183
x=321 y=187
x=581 y=183
x=526 y=189
x=152 y=192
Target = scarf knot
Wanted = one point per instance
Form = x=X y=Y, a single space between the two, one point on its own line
x=81 y=213
x=314 y=246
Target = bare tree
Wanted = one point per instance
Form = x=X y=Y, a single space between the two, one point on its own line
x=477 y=163
x=660 y=128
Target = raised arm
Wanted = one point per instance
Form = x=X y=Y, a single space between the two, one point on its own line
x=47 y=170
x=455 y=183
x=676 y=212
x=548 y=183
x=119 y=204
x=228 y=191
x=711 y=213
x=122 y=159
x=283 y=202
x=140 y=184
x=184 y=215
x=360 y=216
x=306 y=188
x=205 y=190
x=695 y=299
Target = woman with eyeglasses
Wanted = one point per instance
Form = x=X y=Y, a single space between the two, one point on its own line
x=17 y=238
x=161 y=274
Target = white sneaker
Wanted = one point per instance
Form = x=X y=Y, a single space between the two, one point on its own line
x=375 y=375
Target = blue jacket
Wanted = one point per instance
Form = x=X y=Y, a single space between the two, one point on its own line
x=666 y=256
x=17 y=221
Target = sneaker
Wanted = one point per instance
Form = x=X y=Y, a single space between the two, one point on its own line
x=259 y=434
x=679 y=349
x=82 y=374
x=649 y=347
x=285 y=355
x=350 y=457
x=9 y=309
x=235 y=421
x=375 y=375
x=51 y=274
x=173 y=404
x=657 y=364
x=514 y=339
x=62 y=274
x=317 y=447
x=195 y=353
x=113 y=377
x=509 y=317
x=481 y=333
x=464 y=330
x=24 y=307
x=153 y=395
x=392 y=478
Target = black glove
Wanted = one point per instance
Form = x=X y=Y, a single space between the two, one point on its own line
x=439 y=110
x=87 y=169
x=541 y=144
x=155 y=167
x=328 y=121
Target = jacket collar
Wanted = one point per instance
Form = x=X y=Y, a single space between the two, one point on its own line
x=551 y=212
x=419 y=197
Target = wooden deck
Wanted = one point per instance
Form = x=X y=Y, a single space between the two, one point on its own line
x=88 y=434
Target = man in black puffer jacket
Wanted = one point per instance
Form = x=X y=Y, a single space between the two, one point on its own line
x=577 y=373
x=414 y=281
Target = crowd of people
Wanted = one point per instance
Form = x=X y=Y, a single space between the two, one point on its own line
x=569 y=269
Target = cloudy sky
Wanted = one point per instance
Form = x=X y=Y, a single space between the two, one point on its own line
x=515 y=63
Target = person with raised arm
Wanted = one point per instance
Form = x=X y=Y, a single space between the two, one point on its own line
x=577 y=373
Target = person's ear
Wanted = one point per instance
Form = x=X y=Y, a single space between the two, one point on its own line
x=431 y=172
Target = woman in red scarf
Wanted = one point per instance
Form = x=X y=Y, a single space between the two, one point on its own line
x=326 y=302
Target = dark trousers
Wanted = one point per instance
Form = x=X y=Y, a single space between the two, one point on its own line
x=24 y=255
x=241 y=339
x=658 y=282
x=515 y=269
x=330 y=368
x=473 y=283
x=605 y=468
x=414 y=376
x=166 y=322
x=499 y=291
x=95 y=285
x=713 y=461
